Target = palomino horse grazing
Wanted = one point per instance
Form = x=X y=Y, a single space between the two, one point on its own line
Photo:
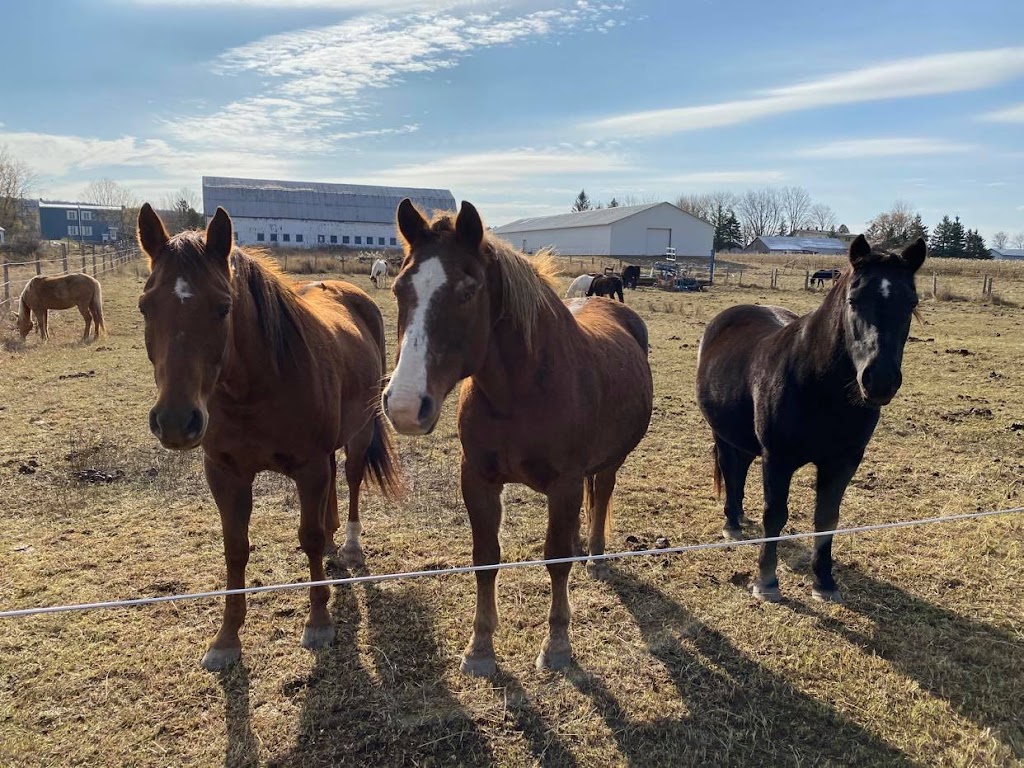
x=469 y=306
x=42 y=293
x=806 y=390
x=264 y=379
x=379 y=274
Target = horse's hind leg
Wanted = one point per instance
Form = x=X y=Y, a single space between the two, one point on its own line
x=829 y=489
x=355 y=469
x=233 y=495
x=777 y=480
x=600 y=521
x=734 y=465
x=313 y=482
x=564 y=500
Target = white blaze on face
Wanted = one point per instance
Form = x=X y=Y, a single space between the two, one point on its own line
x=409 y=381
x=182 y=290
x=886 y=287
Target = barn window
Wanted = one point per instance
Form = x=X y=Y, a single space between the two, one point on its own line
x=87 y=231
x=273 y=237
x=359 y=240
x=72 y=215
x=86 y=215
x=334 y=239
x=236 y=237
x=72 y=229
x=344 y=239
x=320 y=238
x=287 y=238
x=259 y=237
x=369 y=240
x=380 y=241
x=394 y=241
x=298 y=238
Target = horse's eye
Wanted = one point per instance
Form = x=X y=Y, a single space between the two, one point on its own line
x=222 y=310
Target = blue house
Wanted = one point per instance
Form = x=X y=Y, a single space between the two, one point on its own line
x=80 y=222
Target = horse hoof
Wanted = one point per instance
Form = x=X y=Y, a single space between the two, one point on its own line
x=314 y=638
x=352 y=557
x=219 y=659
x=482 y=666
x=599 y=571
x=770 y=594
x=732 y=534
x=827 y=595
x=553 y=661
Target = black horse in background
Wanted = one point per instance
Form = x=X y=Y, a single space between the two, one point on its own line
x=631 y=276
x=819 y=277
x=607 y=285
x=806 y=390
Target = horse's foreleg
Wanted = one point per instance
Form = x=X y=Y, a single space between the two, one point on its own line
x=829 y=489
x=483 y=503
x=776 y=512
x=87 y=316
x=313 y=482
x=233 y=495
x=564 y=500
x=355 y=469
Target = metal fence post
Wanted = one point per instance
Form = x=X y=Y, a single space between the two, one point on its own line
x=7 y=285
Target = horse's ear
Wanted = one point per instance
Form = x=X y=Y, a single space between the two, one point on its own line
x=411 y=223
x=860 y=252
x=913 y=255
x=219 y=237
x=468 y=226
x=152 y=234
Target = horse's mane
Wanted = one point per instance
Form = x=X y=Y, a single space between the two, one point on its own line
x=284 y=319
x=528 y=285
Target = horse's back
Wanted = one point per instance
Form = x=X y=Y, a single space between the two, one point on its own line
x=355 y=304
x=61 y=291
x=726 y=361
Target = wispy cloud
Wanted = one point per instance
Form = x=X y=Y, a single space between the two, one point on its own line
x=319 y=77
x=887 y=147
x=726 y=178
x=903 y=78
x=478 y=170
x=1014 y=114
x=343 y=5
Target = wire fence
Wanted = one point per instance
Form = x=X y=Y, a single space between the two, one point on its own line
x=439 y=572
x=92 y=261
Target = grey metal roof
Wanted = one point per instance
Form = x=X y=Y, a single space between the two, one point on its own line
x=83 y=206
x=1009 y=253
x=814 y=244
x=266 y=198
x=593 y=218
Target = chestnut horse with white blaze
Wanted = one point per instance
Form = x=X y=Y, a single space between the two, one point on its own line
x=470 y=307
x=264 y=379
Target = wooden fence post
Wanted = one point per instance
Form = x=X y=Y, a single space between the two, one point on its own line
x=65 y=262
x=94 y=263
x=85 y=269
x=39 y=264
x=7 y=285
x=935 y=286
x=807 y=280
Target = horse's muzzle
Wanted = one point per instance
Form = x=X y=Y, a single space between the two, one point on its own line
x=415 y=418
x=179 y=429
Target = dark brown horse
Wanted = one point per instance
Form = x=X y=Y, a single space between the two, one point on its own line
x=470 y=307
x=806 y=390
x=264 y=379
x=631 y=276
x=606 y=285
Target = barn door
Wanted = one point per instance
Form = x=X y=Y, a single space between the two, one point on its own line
x=657 y=241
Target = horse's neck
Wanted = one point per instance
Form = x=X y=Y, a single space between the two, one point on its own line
x=824 y=335
x=247 y=370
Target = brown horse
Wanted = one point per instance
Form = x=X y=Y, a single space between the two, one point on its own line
x=264 y=379
x=470 y=307
x=43 y=293
x=806 y=390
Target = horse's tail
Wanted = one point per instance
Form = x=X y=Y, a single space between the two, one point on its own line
x=96 y=308
x=382 y=461
x=717 y=470
x=589 y=494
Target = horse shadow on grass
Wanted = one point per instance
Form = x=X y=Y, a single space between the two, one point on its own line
x=739 y=712
x=974 y=666
x=243 y=748
x=389 y=706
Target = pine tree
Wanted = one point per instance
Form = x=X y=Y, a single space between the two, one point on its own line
x=918 y=229
x=783 y=229
x=614 y=203
x=974 y=245
x=733 y=230
x=941 y=242
x=582 y=201
x=958 y=239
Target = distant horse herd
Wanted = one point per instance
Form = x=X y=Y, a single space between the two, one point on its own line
x=265 y=374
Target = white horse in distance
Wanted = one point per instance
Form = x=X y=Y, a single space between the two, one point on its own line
x=379 y=273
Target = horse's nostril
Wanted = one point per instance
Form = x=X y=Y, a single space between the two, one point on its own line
x=195 y=423
x=426 y=409
x=154 y=423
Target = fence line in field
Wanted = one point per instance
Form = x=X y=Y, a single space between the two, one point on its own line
x=100 y=263
x=434 y=573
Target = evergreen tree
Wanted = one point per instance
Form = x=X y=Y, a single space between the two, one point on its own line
x=582 y=201
x=918 y=229
x=733 y=230
x=974 y=245
x=949 y=239
x=958 y=239
x=614 y=203
x=783 y=229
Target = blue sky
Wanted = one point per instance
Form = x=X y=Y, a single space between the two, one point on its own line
x=517 y=104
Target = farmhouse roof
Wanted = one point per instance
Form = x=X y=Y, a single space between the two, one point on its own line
x=594 y=218
x=813 y=244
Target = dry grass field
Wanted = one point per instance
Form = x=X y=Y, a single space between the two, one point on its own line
x=675 y=663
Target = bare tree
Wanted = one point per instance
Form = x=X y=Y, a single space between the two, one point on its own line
x=822 y=217
x=796 y=204
x=699 y=205
x=1000 y=239
x=109 y=192
x=761 y=212
x=893 y=227
x=1018 y=240
x=16 y=181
